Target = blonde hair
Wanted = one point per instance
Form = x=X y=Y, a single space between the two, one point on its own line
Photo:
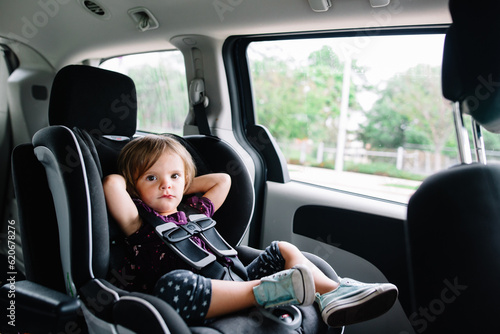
x=143 y=152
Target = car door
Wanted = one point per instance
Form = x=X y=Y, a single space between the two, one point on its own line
x=343 y=128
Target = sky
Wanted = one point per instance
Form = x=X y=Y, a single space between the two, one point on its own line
x=381 y=56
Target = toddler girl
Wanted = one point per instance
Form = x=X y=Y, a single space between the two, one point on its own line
x=156 y=173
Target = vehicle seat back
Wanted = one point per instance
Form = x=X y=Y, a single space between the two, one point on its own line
x=37 y=220
x=470 y=69
x=454 y=216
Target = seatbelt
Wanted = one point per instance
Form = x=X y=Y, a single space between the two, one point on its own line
x=199 y=101
x=178 y=238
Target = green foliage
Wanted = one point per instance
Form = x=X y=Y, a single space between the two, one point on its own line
x=384 y=128
x=161 y=95
x=410 y=110
x=300 y=102
x=491 y=141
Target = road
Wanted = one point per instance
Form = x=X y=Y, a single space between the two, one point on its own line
x=389 y=188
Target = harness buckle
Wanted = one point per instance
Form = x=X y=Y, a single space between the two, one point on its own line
x=178 y=239
x=211 y=237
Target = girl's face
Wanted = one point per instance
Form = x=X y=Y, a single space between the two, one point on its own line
x=161 y=187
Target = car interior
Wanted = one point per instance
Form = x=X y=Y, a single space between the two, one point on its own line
x=292 y=99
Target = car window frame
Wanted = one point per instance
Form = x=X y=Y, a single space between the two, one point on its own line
x=241 y=93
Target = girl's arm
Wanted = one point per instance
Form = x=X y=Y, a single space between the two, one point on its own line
x=214 y=186
x=120 y=204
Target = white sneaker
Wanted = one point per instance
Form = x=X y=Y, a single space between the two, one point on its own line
x=354 y=302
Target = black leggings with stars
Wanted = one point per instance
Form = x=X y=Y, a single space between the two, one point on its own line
x=190 y=294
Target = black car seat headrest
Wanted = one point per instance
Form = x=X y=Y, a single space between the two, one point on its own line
x=99 y=101
x=471 y=66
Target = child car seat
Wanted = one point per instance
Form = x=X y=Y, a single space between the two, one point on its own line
x=92 y=115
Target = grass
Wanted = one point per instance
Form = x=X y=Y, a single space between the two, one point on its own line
x=375 y=168
x=383 y=169
x=401 y=186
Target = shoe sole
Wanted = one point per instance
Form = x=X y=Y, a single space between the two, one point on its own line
x=308 y=284
x=372 y=303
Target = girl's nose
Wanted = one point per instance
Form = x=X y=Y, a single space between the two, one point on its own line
x=165 y=185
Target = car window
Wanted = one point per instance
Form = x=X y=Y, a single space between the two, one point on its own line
x=160 y=80
x=363 y=114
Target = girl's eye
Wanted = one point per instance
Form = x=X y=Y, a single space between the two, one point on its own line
x=151 y=178
x=176 y=176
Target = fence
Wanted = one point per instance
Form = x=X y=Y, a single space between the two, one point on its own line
x=414 y=159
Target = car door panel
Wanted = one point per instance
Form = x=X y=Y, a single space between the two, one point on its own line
x=361 y=237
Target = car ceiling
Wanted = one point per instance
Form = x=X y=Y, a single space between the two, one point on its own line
x=63 y=31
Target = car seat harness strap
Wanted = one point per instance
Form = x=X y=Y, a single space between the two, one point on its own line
x=220 y=261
